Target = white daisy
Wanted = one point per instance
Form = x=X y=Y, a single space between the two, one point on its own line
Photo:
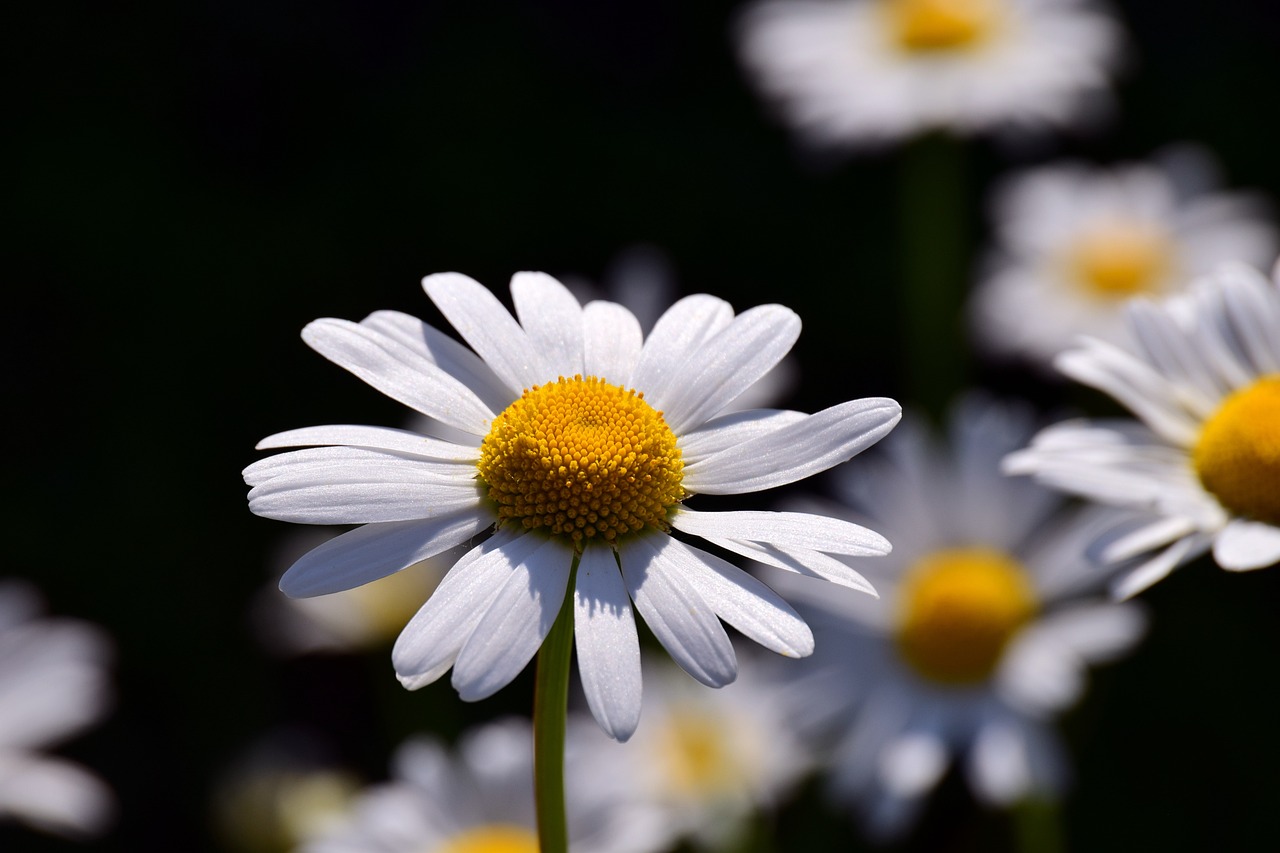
x=1074 y=243
x=481 y=800
x=53 y=684
x=867 y=71
x=585 y=439
x=709 y=758
x=1202 y=374
x=984 y=630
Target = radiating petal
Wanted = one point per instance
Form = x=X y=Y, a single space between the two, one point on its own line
x=1245 y=545
x=361 y=503
x=812 y=564
x=607 y=643
x=377 y=550
x=399 y=372
x=552 y=319
x=797 y=451
x=685 y=625
x=733 y=430
x=679 y=332
x=785 y=529
x=612 y=342
x=320 y=465
x=376 y=438
x=515 y=623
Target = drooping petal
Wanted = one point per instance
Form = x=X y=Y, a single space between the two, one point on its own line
x=552 y=318
x=801 y=561
x=515 y=623
x=785 y=529
x=683 y=622
x=607 y=644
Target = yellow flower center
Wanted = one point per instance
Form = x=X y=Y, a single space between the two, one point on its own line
x=959 y=608
x=1237 y=456
x=693 y=748
x=581 y=458
x=1121 y=260
x=493 y=838
x=937 y=25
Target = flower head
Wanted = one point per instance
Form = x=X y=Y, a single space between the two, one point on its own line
x=1202 y=374
x=582 y=442
x=863 y=71
x=1074 y=243
x=986 y=623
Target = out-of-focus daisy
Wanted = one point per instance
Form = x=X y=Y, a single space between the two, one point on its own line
x=481 y=800
x=984 y=629
x=586 y=438
x=281 y=792
x=359 y=619
x=709 y=758
x=53 y=684
x=866 y=71
x=1073 y=243
x=1202 y=374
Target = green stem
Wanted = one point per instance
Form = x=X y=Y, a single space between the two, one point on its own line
x=1037 y=824
x=932 y=218
x=550 y=707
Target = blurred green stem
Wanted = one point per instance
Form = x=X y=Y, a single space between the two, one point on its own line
x=1037 y=823
x=933 y=231
x=550 y=706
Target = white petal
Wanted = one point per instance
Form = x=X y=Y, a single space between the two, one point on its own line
x=612 y=342
x=607 y=643
x=732 y=430
x=54 y=795
x=1141 y=535
x=797 y=451
x=912 y=764
x=451 y=356
x=399 y=372
x=1158 y=567
x=1245 y=545
x=323 y=502
x=812 y=564
x=377 y=438
x=377 y=550
x=515 y=623
x=1096 y=633
x=743 y=602
x=1000 y=764
x=492 y=332
x=729 y=364
x=683 y=622
x=785 y=530
x=430 y=643
x=552 y=319
x=319 y=465
x=679 y=332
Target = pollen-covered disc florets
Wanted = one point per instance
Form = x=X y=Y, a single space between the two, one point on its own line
x=938 y=25
x=582 y=458
x=1237 y=456
x=959 y=609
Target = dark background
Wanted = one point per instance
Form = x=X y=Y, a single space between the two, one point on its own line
x=191 y=183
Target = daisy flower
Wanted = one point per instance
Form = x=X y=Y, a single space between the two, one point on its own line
x=707 y=759
x=585 y=440
x=847 y=72
x=53 y=684
x=481 y=800
x=986 y=624
x=1202 y=374
x=1073 y=243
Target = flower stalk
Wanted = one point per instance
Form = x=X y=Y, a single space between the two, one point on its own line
x=550 y=708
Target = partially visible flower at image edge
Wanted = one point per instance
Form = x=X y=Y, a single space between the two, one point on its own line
x=586 y=439
x=1202 y=374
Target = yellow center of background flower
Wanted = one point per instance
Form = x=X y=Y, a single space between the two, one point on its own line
x=959 y=608
x=1237 y=456
x=1122 y=260
x=581 y=458
x=493 y=838
x=693 y=748
x=935 y=25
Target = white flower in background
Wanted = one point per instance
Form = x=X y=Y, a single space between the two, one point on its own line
x=986 y=624
x=585 y=439
x=53 y=685
x=847 y=72
x=1074 y=243
x=481 y=800
x=360 y=619
x=642 y=280
x=1202 y=374
x=709 y=758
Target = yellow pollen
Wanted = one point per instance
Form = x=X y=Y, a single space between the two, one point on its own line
x=939 y=25
x=492 y=838
x=1121 y=260
x=1237 y=456
x=693 y=748
x=959 y=608
x=581 y=458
